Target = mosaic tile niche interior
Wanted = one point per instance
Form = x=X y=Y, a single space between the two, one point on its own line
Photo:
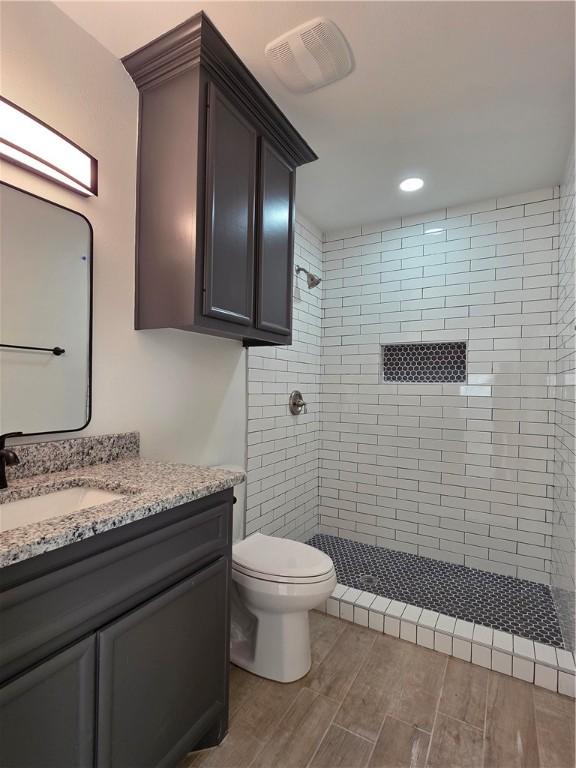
x=427 y=363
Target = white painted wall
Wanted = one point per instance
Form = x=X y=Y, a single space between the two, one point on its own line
x=184 y=392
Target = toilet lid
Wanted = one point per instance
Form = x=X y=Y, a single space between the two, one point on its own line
x=272 y=556
x=237 y=571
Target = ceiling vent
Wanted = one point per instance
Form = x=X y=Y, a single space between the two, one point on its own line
x=310 y=56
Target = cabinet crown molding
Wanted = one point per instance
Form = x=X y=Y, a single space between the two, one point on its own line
x=197 y=42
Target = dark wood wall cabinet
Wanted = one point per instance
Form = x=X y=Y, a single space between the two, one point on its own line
x=114 y=650
x=216 y=180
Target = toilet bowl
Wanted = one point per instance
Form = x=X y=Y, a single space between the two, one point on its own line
x=277 y=582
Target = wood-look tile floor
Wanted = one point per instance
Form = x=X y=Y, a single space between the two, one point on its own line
x=375 y=701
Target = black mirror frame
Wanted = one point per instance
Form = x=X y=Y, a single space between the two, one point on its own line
x=90 y=309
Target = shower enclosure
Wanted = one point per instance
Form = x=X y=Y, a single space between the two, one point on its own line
x=436 y=461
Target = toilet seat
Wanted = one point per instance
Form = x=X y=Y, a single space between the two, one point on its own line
x=280 y=560
x=236 y=569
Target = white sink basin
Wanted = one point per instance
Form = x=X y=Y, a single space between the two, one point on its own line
x=15 y=514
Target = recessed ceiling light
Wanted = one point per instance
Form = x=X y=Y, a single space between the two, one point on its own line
x=411 y=185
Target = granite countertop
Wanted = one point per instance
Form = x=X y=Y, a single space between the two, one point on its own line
x=150 y=487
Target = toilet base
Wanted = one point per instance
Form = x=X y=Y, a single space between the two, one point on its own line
x=281 y=647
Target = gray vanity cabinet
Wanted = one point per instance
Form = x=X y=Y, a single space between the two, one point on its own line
x=160 y=674
x=114 y=650
x=48 y=713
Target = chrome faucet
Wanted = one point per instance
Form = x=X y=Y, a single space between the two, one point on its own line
x=8 y=458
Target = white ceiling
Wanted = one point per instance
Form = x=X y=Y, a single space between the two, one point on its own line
x=477 y=98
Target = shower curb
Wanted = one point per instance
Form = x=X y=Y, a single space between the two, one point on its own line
x=543 y=665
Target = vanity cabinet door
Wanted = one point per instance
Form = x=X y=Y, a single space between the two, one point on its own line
x=231 y=153
x=47 y=714
x=163 y=673
x=275 y=246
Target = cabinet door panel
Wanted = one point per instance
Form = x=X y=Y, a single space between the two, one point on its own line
x=275 y=251
x=163 y=673
x=47 y=714
x=230 y=210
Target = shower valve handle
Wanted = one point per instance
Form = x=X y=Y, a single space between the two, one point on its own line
x=296 y=403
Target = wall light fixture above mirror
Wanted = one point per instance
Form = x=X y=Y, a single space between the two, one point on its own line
x=31 y=144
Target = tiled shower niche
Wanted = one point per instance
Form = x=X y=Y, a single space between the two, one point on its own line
x=429 y=363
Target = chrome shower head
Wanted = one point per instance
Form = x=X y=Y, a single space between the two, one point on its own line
x=312 y=280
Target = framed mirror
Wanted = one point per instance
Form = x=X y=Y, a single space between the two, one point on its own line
x=45 y=315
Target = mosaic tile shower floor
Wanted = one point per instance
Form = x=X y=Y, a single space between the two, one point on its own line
x=501 y=602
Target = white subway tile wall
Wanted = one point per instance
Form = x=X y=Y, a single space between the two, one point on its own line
x=564 y=443
x=459 y=472
x=282 y=461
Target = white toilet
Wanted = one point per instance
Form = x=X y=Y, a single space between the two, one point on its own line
x=277 y=581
